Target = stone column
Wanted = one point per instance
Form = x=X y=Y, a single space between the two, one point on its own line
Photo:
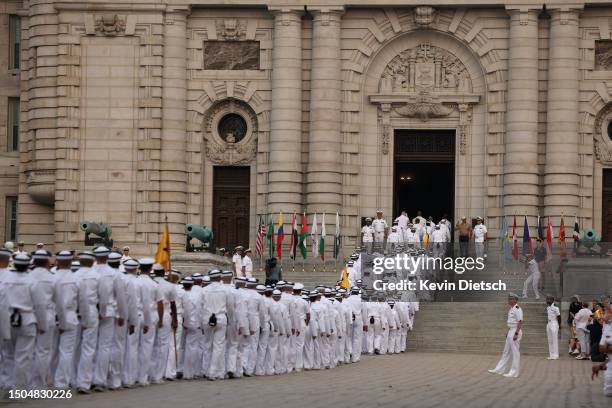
x=172 y=174
x=562 y=171
x=324 y=181
x=521 y=140
x=285 y=168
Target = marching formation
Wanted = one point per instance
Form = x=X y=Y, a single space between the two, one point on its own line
x=104 y=322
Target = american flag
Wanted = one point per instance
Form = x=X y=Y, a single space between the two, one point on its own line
x=260 y=238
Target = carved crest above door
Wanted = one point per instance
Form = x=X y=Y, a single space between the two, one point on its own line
x=425 y=82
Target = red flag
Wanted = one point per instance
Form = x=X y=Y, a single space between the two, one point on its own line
x=562 y=239
x=261 y=234
x=549 y=238
x=515 y=249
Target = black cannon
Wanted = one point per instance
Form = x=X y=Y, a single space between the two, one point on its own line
x=203 y=234
x=102 y=233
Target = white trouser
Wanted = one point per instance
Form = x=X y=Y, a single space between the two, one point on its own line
x=106 y=332
x=174 y=352
x=7 y=363
x=21 y=352
x=270 y=358
x=64 y=374
x=340 y=345
x=298 y=348
x=480 y=249
x=439 y=248
x=280 y=365
x=534 y=280
x=132 y=347
x=262 y=348
x=250 y=362
x=607 y=380
x=357 y=340
x=378 y=335
x=552 y=332
x=379 y=237
x=192 y=353
x=161 y=349
x=403 y=336
x=308 y=351
x=44 y=351
x=584 y=339
x=318 y=352
x=145 y=353
x=216 y=367
x=243 y=352
x=117 y=356
x=511 y=348
x=85 y=370
x=231 y=349
x=368 y=247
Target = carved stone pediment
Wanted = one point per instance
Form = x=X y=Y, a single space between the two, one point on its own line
x=424 y=108
x=231 y=29
x=425 y=68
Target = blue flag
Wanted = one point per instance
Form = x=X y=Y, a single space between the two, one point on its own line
x=527 y=245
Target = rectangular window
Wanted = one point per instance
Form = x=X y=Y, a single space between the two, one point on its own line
x=12 y=130
x=14 y=41
x=10 y=224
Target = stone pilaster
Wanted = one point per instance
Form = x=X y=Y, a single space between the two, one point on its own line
x=562 y=170
x=521 y=141
x=324 y=188
x=173 y=172
x=285 y=167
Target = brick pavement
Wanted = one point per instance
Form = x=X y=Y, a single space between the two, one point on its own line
x=412 y=379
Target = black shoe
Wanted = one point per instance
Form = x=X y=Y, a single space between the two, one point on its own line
x=230 y=375
x=83 y=391
x=377 y=351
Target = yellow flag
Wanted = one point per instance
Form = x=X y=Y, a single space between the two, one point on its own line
x=345 y=284
x=426 y=238
x=162 y=256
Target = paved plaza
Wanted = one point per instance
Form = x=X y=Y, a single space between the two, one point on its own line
x=406 y=380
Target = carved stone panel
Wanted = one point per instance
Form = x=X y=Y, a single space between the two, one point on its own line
x=231 y=55
x=425 y=68
x=603 y=55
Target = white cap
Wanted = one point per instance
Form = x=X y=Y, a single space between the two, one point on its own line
x=21 y=259
x=64 y=255
x=276 y=292
x=86 y=255
x=130 y=264
x=114 y=256
x=146 y=261
x=101 y=251
x=41 y=254
x=298 y=286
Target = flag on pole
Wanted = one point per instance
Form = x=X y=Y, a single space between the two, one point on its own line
x=515 y=251
x=540 y=229
x=294 y=238
x=314 y=235
x=162 y=256
x=549 y=238
x=527 y=244
x=303 y=235
x=270 y=236
x=562 y=239
x=322 y=241
x=576 y=233
x=505 y=240
x=261 y=233
x=280 y=235
x=337 y=238
x=344 y=282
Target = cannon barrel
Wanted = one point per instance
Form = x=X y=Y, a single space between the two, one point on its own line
x=99 y=229
x=200 y=232
x=589 y=236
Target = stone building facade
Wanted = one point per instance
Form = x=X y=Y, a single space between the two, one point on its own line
x=131 y=112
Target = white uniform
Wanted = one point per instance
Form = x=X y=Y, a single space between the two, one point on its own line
x=357 y=310
x=45 y=343
x=150 y=296
x=512 y=347
x=192 y=325
x=552 y=331
x=438 y=237
x=174 y=355
x=302 y=308
x=135 y=318
x=264 y=336
x=533 y=278
x=367 y=238
x=606 y=340
x=237 y=328
x=217 y=302
x=66 y=300
x=379 y=225
x=121 y=332
x=161 y=346
x=90 y=318
x=402 y=222
x=255 y=316
x=479 y=239
x=237 y=261
x=247 y=262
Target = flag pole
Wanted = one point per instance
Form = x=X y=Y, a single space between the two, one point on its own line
x=169 y=261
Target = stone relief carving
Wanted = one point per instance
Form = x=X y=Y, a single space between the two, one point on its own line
x=110 y=25
x=601 y=138
x=231 y=143
x=424 y=108
x=424 y=15
x=231 y=29
x=603 y=55
x=425 y=68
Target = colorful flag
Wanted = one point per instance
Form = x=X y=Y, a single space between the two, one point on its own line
x=270 y=236
x=344 y=282
x=576 y=233
x=337 y=241
x=162 y=256
x=549 y=238
x=261 y=233
x=527 y=244
x=303 y=235
x=505 y=240
x=562 y=253
x=294 y=238
x=314 y=236
x=322 y=242
x=515 y=251
x=280 y=235
x=540 y=229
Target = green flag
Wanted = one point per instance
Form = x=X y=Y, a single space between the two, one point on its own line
x=303 y=235
x=270 y=236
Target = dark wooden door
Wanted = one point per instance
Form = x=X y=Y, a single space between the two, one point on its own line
x=606 y=222
x=231 y=188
